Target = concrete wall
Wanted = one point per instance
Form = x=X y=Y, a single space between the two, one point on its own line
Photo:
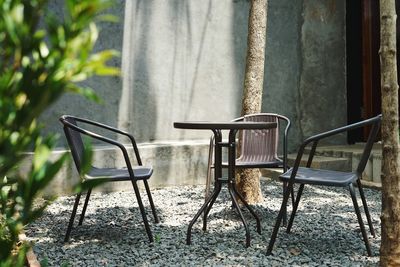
x=322 y=90
x=174 y=163
x=305 y=66
x=283 y=63
x=181 y=60
x=184 y=60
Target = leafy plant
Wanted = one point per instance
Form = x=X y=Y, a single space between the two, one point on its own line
x=42 y=56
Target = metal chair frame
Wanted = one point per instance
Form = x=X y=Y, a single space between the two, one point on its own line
x=307 y=175
x=73 y=134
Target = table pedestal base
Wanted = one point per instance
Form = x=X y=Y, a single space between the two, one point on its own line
x=210 y=202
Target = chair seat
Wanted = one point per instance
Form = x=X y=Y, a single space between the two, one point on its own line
x=113 y=174
x=321 y=177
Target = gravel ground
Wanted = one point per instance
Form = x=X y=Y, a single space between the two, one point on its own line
x=325 y=231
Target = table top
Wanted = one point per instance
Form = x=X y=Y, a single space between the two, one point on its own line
x=208 y=125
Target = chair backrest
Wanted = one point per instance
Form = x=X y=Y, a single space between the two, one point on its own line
x=373 y=134
x=74 y=140
x=374 y=124
x=261 y=145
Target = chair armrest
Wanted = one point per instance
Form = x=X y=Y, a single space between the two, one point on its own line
x=285 y=141
x=346 y=128
x=106 y=140
x=375 y=121
x=113 y=129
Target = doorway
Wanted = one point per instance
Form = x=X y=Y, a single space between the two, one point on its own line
x=363 y=63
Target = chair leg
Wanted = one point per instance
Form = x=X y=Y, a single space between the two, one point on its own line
x=209 y=167
x=293 y=202
x=364 y=201
x=85 y=206
x=208 y=181
x=71 y=219
x=295 y=206
x=285 y=211
x=142 y=211
x=292 y=196
x=153 y=208
x=357 y=210
x=279 y=218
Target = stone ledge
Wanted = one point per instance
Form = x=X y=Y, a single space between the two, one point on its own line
x=373 y=185
x=323 y=162
x=174 y=163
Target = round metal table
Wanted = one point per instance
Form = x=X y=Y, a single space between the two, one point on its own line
x=217 y=128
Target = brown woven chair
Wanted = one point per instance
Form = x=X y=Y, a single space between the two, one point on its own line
x=259 y=148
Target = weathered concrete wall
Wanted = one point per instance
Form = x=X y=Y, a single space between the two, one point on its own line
x=185 y=60
x=322 y=90
x=305 y=66
x=181 y=60
x=283 y=64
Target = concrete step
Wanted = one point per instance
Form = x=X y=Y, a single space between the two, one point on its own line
x=272 y=173
x=323 y=162
x=319 y=162
x=353 y=153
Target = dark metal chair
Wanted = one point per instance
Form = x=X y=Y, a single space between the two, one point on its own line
x=307 y=175
x=73 y=132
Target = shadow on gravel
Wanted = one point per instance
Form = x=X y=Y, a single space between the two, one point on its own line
x=325 y=231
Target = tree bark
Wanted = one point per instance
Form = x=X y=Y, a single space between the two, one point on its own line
x=248 y=180
x=390 y=217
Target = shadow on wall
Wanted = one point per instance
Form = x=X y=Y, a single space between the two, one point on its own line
x=239 y=32
x=179 y=62
x=159 y=67
x=137 y=107
x=107 y=88
x=183 y=18
x=180 y=15
x=177 y=6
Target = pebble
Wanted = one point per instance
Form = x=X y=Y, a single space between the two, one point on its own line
x=325 y=231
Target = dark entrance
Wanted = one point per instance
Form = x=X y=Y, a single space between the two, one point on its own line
x=363 y=64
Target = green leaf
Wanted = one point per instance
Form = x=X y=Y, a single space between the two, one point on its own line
x=42 y=55
x=107 y=71
x=87 y=156
x=86 y=92
x=42 y=153
x=108 y=18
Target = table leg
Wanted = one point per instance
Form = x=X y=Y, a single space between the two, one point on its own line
x=236 y=205
x=203 y=208
x=249 y=208
x=216 y=191
x=232 y=186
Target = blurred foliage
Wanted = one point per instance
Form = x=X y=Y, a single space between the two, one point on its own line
x=42 y=56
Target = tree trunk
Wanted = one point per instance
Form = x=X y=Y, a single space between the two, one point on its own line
x=390 y=245
x=249 y=179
